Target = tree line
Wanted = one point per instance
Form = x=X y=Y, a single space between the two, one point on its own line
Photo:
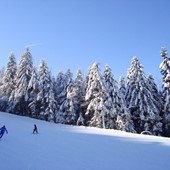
x=132 y=105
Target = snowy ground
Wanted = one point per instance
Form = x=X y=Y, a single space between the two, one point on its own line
x=62 y=147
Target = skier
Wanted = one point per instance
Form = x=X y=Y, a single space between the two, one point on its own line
x=35 y=129
x=2 y=131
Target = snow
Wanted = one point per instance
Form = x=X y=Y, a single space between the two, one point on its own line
x=64 y=147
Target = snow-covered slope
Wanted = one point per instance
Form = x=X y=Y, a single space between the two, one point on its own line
x=62 y=147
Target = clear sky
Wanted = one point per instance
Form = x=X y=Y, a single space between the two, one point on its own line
x=76 y=33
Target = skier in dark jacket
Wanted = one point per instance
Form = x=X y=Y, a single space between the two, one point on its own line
x=2 y=131
x=35 y=130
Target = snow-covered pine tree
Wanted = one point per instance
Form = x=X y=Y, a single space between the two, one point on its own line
x=165 y=71
x=122 y=87
x=71 y=110
x=2 y=73
x=52 y=108
x=67 y=111
x=60 y=88
x=8 y=82
x=80 y=96
x=113 y=100
x=95 y=97
x=24 y=71
x=33 y=91
x=60 y=94
x=46 y=103
x=140 y=100
x=118 y=117
x=158 y=102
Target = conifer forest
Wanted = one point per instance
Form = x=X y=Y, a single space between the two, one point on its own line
x=132 y=104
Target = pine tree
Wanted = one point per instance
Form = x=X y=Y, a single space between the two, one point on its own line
x=113 y=99
x=122 y=87
x=79 y=97
x=70 y=111
x=60 y=88
x=2 y=74
x=60 y=94
x=95 y=96
x=33 y=91
x=8 y=83
x=165 y=71
x=139 y=99
x=52 y=108
x=158 y=102
x=67 y=111
x=21 y=96
x=118 y=117
x=46 y=103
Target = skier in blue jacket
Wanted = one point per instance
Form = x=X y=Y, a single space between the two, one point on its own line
x=35 y=130
x=2 y=131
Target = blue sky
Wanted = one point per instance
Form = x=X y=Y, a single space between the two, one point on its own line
x=76 y=33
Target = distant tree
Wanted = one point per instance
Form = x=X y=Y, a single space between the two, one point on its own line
x=2 y=73
x=46 y=103
x=70 y=112
x=8 y=81
x=165 y=71
x=113 y=100
x=60 y=94
x=21 y=96
x=158 y=102
x=33 y=91
x=140 y=101
x=67 y=110
x=52 y=103
x=80 y=96
x=122 y=87
x=118 y=116
x=95 y=97
x=2 y=98
x=60 y=86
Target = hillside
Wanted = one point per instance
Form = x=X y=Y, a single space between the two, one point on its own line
x=63 y=147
